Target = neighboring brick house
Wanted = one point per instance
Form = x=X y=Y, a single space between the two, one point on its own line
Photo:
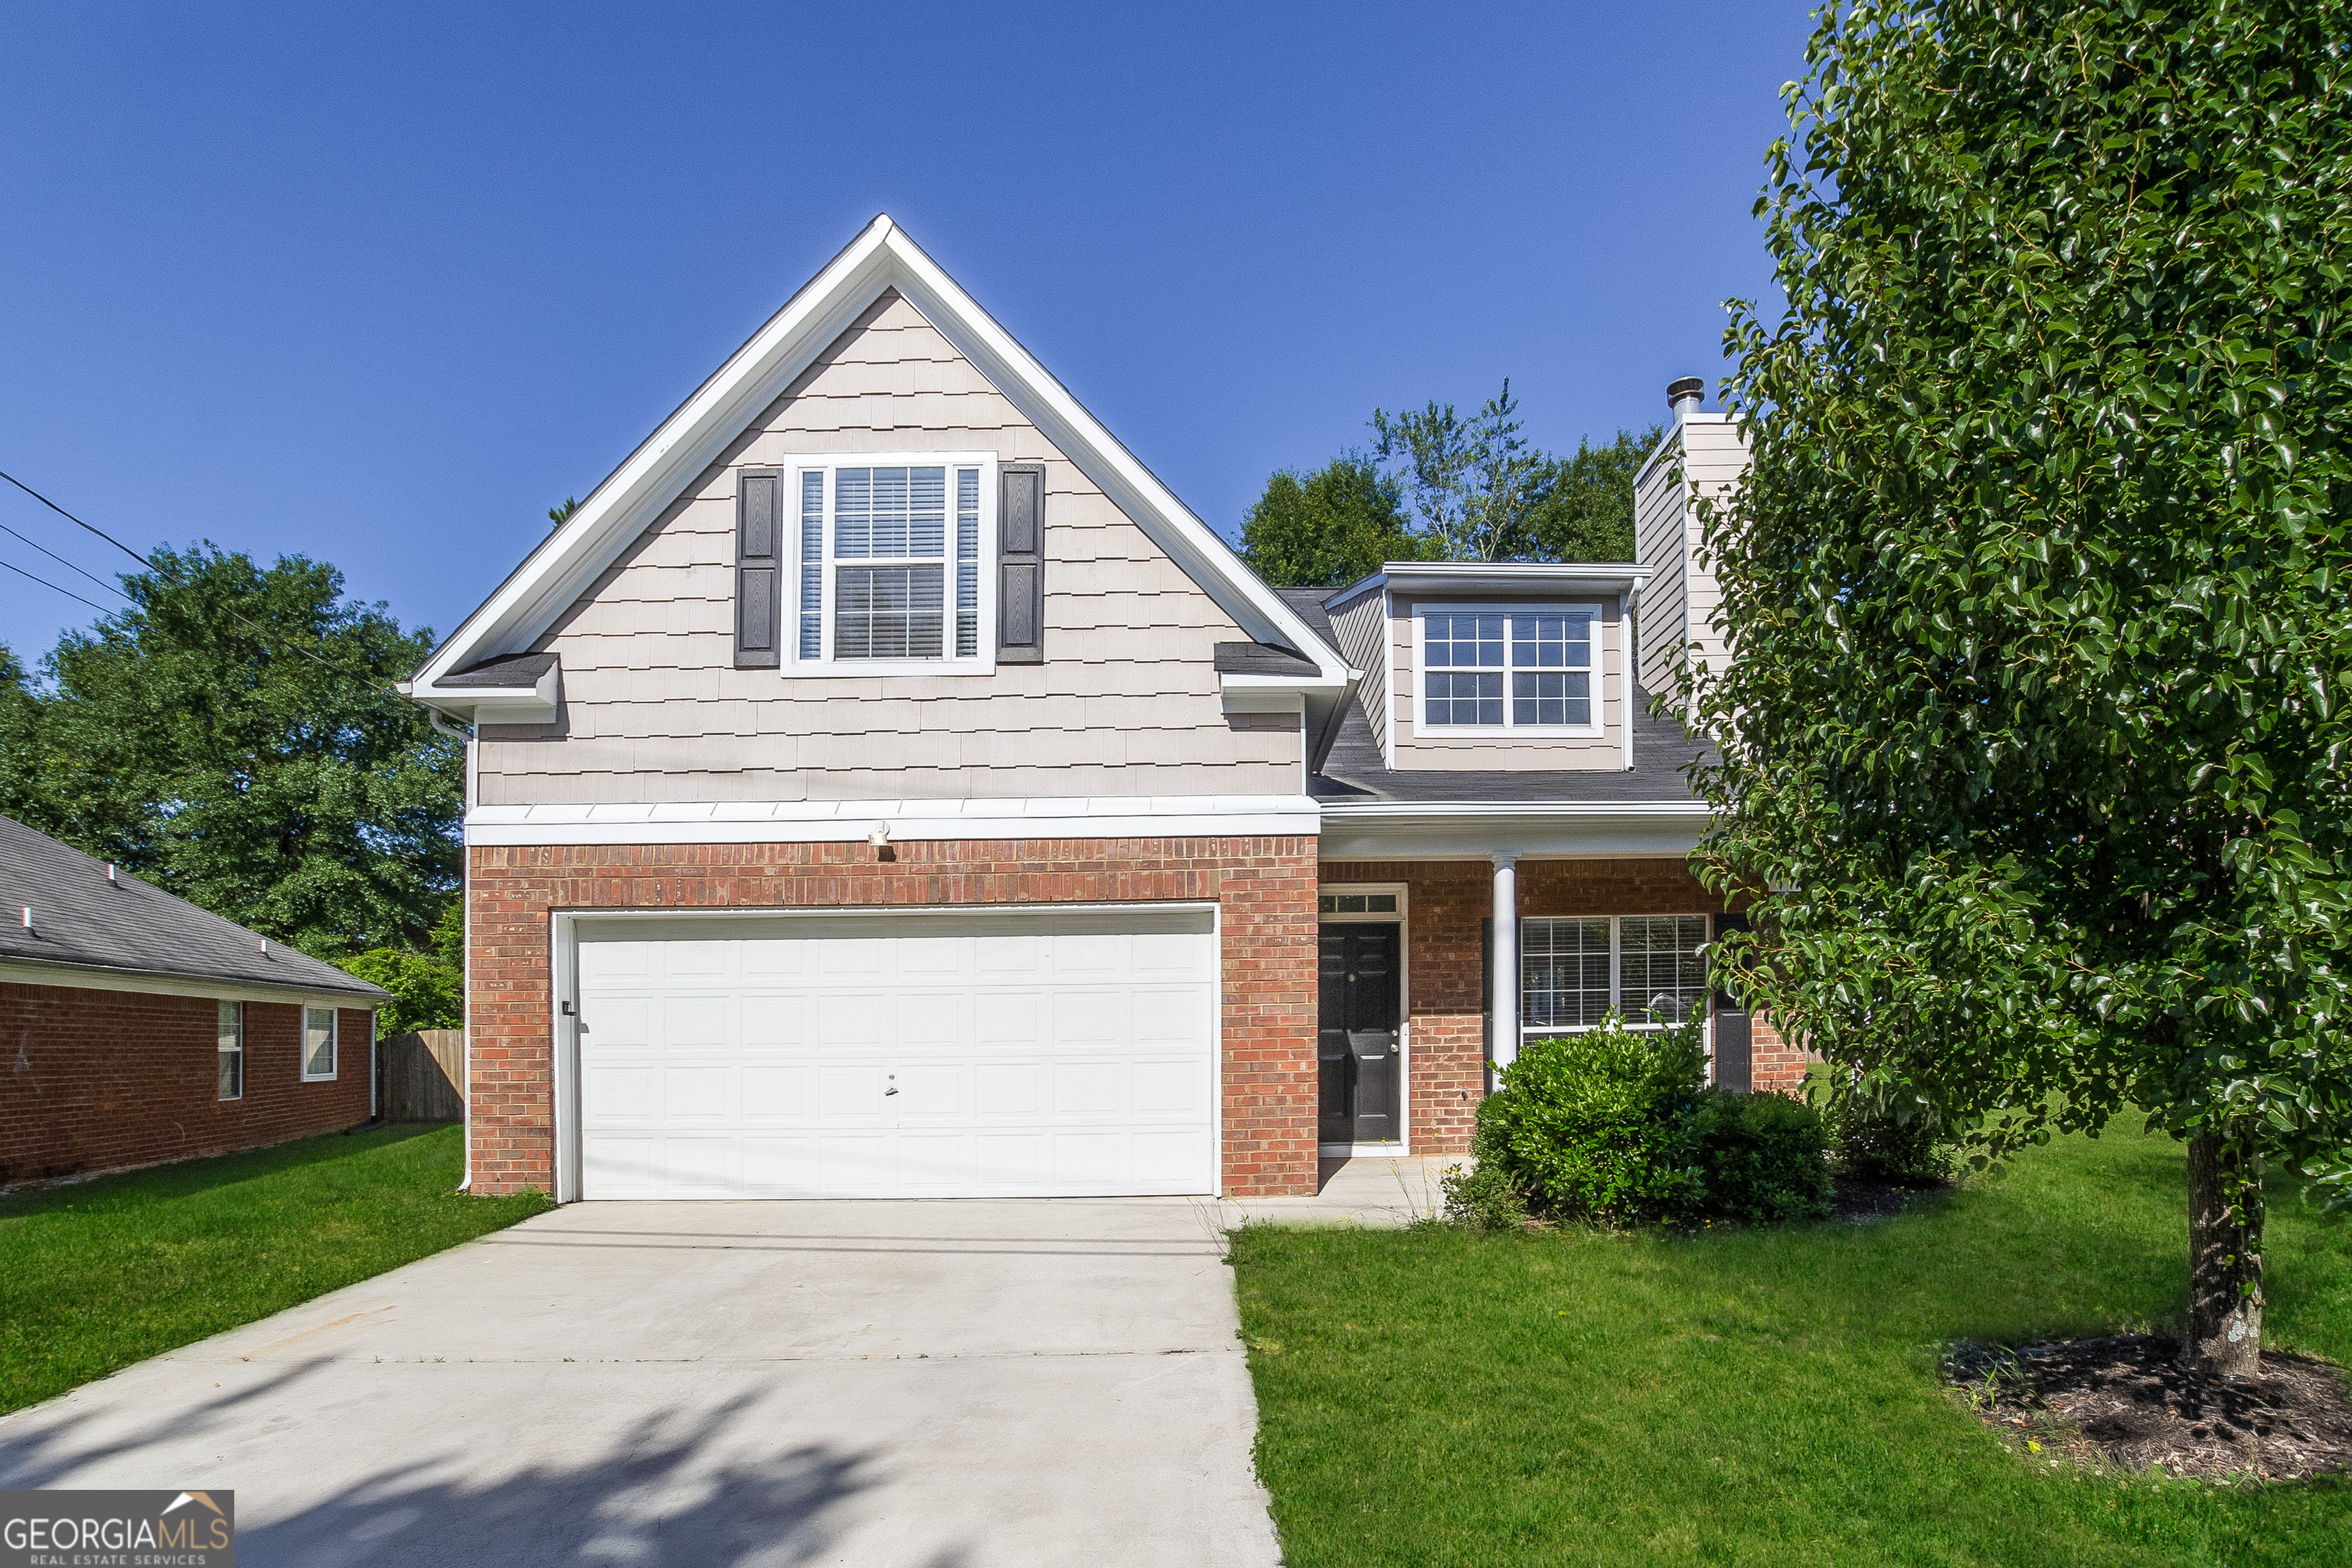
x=883 y=785
x=139 y=1028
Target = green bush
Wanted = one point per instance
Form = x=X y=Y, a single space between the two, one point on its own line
x=1765 y=1155
x=1593 y=1125
x=1874 y=1143
x=1483 y=1196
x=1616 y=1125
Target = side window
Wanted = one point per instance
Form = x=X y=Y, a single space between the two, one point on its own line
x=1504 y=669
x=232 y=1050
x=318 y=1044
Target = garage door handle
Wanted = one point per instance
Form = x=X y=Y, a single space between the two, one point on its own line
x=889 y=1091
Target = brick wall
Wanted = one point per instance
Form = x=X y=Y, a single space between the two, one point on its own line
x=1447 y=899
x=1263 y=887
x=99 y=1081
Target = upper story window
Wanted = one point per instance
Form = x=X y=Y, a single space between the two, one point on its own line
x=1503 y=667
x=890 y=564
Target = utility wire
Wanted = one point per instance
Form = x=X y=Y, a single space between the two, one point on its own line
x=318 y=659
x=45 y=582
x=62 y=560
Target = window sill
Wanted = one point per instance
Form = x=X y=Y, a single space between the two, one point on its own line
x=1424 y=731
x=868 y=669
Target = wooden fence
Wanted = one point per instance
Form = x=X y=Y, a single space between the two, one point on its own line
x=424 y=1075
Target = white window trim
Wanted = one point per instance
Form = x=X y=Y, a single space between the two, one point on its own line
x=334 y=1044
x=824 y=665
x=1616 y=976
x=1403 y=1144
x=1422 y=730
x=238 y=1053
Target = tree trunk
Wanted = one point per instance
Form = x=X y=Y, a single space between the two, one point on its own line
x=2225 y=1262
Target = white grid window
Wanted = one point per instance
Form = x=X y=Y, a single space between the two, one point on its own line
x=1507 y=669
x=232 y=1050
x=1651 y=968
x=318 y=1044
x=893 y=566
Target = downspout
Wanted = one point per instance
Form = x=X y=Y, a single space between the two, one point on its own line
x=1626 y=604
x=465 y=912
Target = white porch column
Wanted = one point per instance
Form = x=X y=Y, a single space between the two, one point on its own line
x=1507 y=959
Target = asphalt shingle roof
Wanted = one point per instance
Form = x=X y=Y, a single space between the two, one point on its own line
x=79 y=917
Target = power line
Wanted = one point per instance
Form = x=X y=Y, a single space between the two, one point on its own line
x=318 y=659
x=61 y=561
x=45 y=582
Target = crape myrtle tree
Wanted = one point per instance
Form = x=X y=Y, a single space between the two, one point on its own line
x=2036 y=741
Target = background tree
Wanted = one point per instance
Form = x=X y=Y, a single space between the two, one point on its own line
x=1586 y=509
x=1476 y=482
x=2037 y=724
x=1327 y=528
x=189 y=738
x=20 y=760
x=428 y=988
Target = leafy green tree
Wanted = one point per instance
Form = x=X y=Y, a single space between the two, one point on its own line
x=1585 y=510
x=2035 y=739
x=1475 y=481
x=233 y=737
x=559 y=514
x=428 y=988
x=20 y=761
x=1327 y=528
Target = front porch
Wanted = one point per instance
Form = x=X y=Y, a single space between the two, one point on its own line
x=1419 y=958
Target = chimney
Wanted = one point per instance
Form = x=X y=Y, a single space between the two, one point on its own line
x=1702 y=453
x=1685 y=396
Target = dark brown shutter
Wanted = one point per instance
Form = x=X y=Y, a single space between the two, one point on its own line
x=1021 y=566
x=759 y=569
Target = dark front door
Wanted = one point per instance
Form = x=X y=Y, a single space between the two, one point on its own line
x=1358 y=1045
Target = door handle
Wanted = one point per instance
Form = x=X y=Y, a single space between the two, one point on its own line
x=889 y=1091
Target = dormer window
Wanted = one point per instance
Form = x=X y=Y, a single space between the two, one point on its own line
x=1504 y=669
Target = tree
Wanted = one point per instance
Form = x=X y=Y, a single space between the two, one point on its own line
x=2033 y=745
x=20 y=763
x=1476 y=482
x=1586 y=509
x=1327 y=528
x=233 y=737
x=428 y=989
x=558 y=515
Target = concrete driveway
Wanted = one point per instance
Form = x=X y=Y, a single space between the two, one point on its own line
x=879 y=1383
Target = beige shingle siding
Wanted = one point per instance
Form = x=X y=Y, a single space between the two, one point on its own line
x=1126 y=703
x=1679 y=605
x=1361 y=627
x=1419 y=746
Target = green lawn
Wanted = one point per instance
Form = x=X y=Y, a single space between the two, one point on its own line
x=1765 y=1396
x=97 y=1275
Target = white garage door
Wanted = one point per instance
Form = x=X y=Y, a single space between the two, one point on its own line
x=916 y=1055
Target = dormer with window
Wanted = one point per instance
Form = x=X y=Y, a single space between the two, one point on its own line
x=1511 y=667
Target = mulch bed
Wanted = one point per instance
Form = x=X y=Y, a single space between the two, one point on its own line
x=2123 y=1403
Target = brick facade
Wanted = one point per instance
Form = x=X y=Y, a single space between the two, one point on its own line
x=1446 y=902
x=101 y=1081
x=1265 y=888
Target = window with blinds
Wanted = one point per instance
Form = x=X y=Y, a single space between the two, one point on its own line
x=890 y=564
x=1650 y=969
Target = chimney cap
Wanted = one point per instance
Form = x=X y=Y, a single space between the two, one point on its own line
x=1685 y=386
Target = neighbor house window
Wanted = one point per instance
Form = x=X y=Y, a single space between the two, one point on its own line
x=1506 y=669
x=1652 y=969
x=318 y=1044
x=889 y=556
x=232 y=1050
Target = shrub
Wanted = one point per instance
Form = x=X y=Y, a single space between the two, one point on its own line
x=1483 y=1196
x=1765 y=1156
x=1593 y=1125
x=1873 y=1143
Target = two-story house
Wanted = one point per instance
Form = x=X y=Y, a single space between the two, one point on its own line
x=883 y=785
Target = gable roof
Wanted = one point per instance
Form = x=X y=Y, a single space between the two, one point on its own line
x=83 y=920
x=568 y=561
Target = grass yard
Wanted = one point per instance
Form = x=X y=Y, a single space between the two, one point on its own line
x=96 y=1275
x=1760 y=1396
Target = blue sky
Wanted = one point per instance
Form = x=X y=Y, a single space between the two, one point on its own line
x=380 y=286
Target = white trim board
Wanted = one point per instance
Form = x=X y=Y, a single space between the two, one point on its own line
x=82 y=977
x=880 y=258
x=1580 y=830
x=850 y=821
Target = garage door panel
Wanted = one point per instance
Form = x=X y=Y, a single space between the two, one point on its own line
x=1031 y=1055
x=775 y=1093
